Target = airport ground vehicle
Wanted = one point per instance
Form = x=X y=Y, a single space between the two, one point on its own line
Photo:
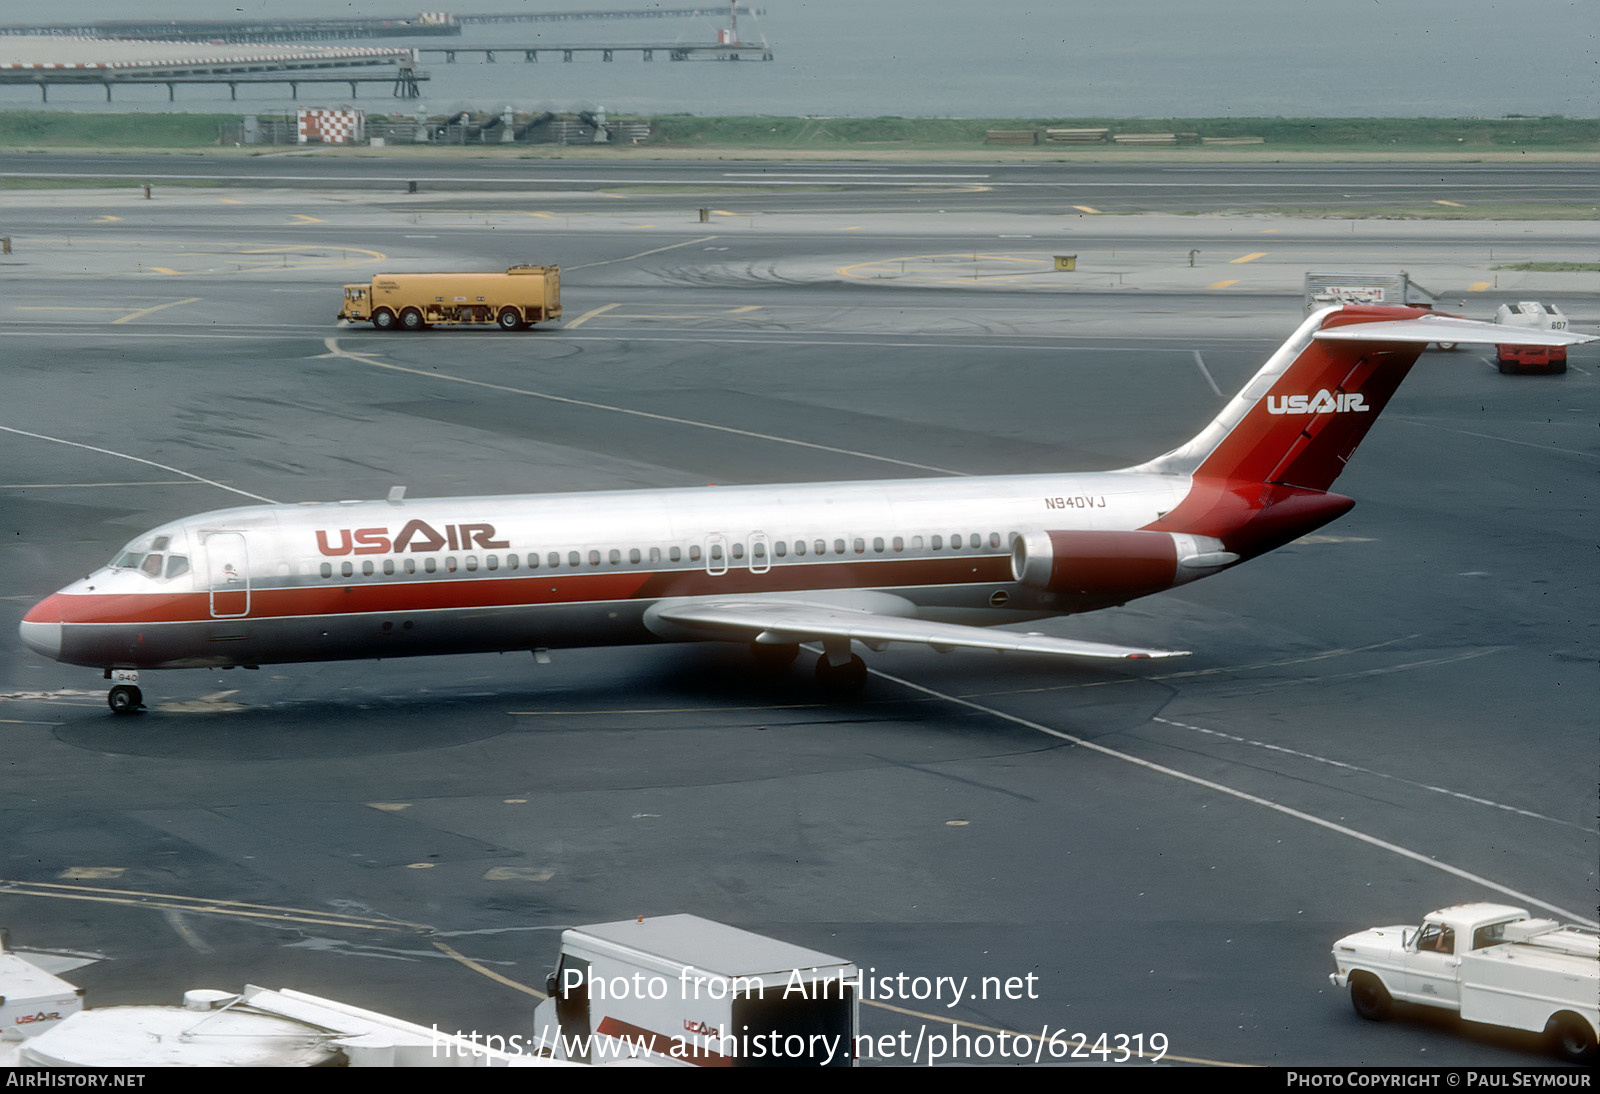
x=1531 y=315
x=935 y=562
x=1491 y=962
x=417 y=301
x=32 y=1000
x=1390 y=288
x=679 y=989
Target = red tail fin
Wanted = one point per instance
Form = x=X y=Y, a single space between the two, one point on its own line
x=1261 y=468
x=1299 y=419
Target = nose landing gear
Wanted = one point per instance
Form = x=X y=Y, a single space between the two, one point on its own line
x=125 y=699
x=125 y=696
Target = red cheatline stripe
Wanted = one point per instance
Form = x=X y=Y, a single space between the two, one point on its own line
x=359 y=595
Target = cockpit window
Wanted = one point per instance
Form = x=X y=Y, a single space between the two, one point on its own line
x=151 y=558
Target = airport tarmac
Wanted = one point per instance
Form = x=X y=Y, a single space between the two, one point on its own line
x=1393 y=715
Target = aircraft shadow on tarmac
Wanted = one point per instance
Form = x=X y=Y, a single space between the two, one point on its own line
x=675 y=690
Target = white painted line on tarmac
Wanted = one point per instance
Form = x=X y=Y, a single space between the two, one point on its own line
x=92 y=485
x=641 y=254
x=139 y=459
x=184 y=931
x=841 y=175
x=1462 y=795
x=1504 y=440
x=367 y=359
x=89 y=331
x=1266 y=803
x=1200 y=362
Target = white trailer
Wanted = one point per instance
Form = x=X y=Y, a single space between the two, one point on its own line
x=681 y=990
x=32 y=1001
x=1492 y=963
x=1390 y=288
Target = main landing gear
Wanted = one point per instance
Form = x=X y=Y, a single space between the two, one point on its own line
x=846 y=679
x=839 y=671
x=774 y=655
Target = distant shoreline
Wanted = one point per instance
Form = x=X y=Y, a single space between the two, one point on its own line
x=889 y=138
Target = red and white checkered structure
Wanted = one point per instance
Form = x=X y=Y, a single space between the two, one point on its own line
x=342 y=126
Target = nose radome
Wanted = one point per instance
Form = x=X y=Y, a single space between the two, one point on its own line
x=42 y=638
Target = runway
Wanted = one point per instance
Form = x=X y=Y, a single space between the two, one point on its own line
x=1391 y=716
x=1202 y=185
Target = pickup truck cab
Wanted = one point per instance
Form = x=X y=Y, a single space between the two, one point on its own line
x=1492 y=963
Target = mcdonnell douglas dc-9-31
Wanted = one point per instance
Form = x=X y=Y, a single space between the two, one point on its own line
x=932 y=561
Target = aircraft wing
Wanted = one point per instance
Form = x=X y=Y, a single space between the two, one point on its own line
x=795 y=621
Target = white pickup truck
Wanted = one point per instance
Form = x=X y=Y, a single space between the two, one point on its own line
x=1491 y=962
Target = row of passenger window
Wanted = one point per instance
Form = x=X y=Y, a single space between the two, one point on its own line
x=714 y=553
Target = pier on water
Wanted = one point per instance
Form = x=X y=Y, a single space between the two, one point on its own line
x=727 y=47
x=242 y=30
x=432 y=24
x=118 y=53
x=675 y=51
x=45 y=62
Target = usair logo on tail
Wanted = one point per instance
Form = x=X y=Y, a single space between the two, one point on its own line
x=1323 y=402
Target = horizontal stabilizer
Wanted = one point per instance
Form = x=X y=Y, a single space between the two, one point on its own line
x=1446 y=328
x=789 y=621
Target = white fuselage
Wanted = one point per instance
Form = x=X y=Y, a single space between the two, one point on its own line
x=280 y=583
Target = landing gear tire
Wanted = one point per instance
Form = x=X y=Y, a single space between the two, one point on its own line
x=125 y=699
x=1447 y=346
x=411 y=320
x=383 y=319
x=509 y=319
x=1370 y=998
x=774 y=656
x=845 y=679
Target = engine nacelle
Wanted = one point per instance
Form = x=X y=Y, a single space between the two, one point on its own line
x=1113 y=565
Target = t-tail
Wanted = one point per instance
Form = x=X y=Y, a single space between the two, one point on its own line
x=1261 y=470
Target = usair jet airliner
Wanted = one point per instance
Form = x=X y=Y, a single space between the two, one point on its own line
x=937 y=562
